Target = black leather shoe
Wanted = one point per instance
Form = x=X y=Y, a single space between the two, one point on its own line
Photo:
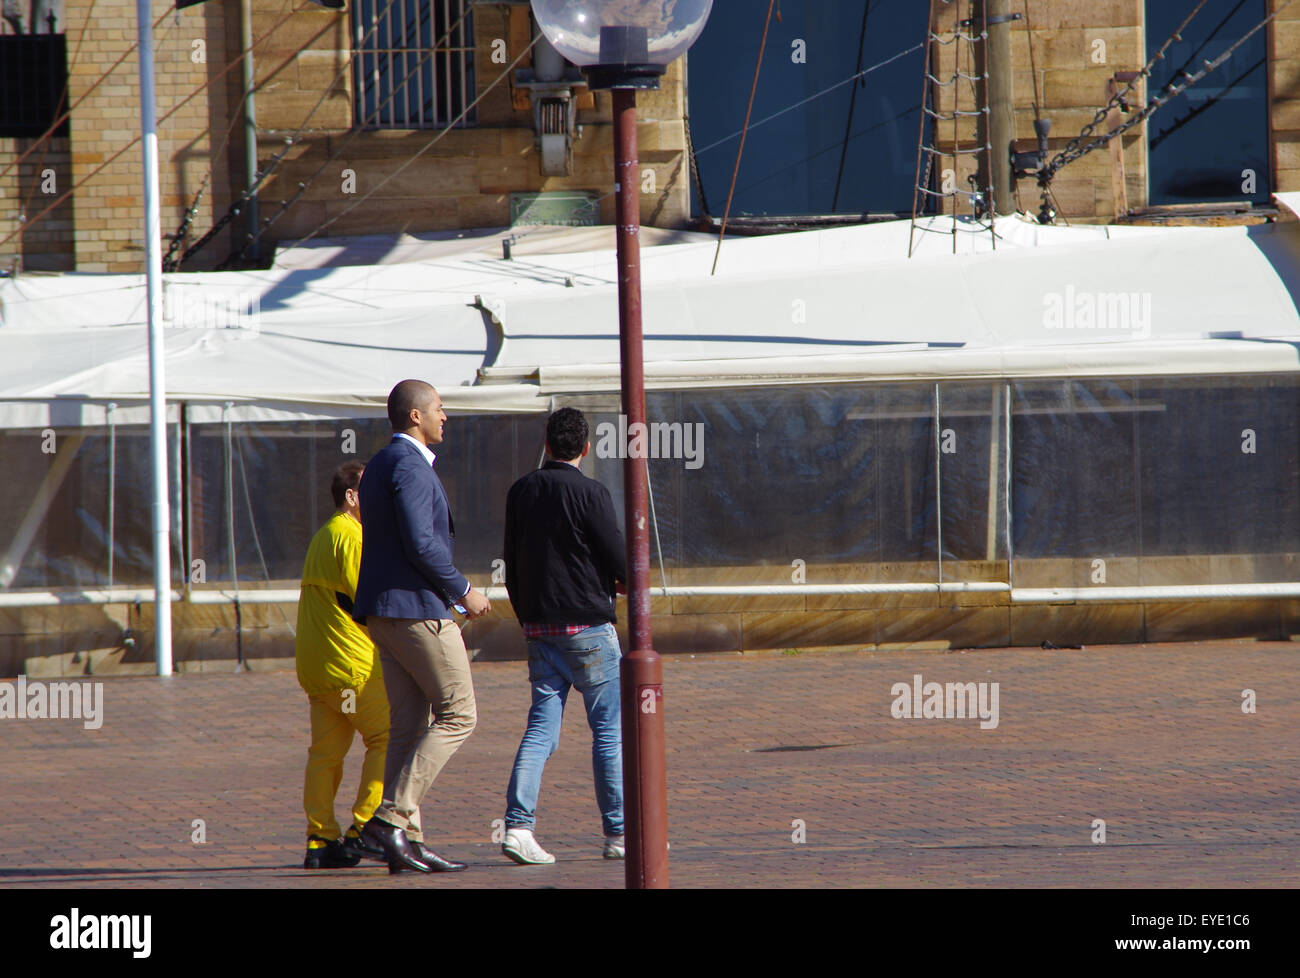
x=362 y=849
x=395 y=845
x=332 y=855
x=436 y=863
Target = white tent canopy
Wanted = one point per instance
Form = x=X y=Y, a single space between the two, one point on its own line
x=501 y=336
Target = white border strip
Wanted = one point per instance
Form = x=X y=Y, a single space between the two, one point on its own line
x=1018 y=595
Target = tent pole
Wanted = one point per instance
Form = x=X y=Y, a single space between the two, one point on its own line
x=230 y=535
x=938 y=487
x=112 y=487
x=995 y=433
x=157 y=382
x=1006 y=475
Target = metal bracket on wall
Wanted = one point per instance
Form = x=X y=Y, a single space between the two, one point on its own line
x=555 y=119
x=554 y=87
x=993 y=21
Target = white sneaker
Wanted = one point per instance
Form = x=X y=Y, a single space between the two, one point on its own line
x=523 y=848
x=614 y=848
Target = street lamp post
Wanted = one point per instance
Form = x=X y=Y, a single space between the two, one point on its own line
x=626 y=45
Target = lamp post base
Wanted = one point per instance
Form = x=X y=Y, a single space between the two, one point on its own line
x=645 y=775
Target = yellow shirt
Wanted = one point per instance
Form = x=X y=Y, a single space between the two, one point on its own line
x=332 y=651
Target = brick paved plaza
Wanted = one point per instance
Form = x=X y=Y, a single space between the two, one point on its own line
x=1152 y=739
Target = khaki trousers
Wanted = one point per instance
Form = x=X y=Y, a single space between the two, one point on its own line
x=431 y=708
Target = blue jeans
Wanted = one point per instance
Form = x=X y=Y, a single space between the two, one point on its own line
x=589 y=662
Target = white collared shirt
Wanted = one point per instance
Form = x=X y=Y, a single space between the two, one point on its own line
x=424 y=449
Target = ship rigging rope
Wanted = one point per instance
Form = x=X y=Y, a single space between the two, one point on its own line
x=744 y=131
x=357 y=130
x=84 y=95
x=816 y=95
x=1077 y=148
x=47 y=138
x=1033 y=65
x=420 y=152
x=178 y=237
x=170 y=112
x=238 y=205
x=848 y=123
x=182 y=230
x=791 y=108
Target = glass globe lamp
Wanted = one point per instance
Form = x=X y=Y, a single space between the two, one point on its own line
x=622 y=43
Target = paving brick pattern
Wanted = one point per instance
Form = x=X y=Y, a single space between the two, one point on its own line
x=1152 y=739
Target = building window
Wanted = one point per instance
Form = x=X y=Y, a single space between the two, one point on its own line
x=33 y=77
x=1210 y=144
x=414 y=64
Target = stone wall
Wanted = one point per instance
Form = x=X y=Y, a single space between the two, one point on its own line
x=191 y=49
x=393 y=180
x=35 y=173
x=1284 y=93
x=78 y=640
x=1078 y=46
x=466 y=178
x=88 y=639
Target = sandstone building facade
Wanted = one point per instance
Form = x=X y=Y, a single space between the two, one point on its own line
x=348 y=135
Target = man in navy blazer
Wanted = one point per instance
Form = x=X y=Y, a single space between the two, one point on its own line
x=406 y=589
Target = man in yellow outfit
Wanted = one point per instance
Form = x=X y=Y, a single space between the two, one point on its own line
x=340 y=672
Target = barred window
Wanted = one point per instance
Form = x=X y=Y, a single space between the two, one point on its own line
x=414 y=64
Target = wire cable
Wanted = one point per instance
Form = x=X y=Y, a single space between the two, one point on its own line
x=302 y=186
x=1033 y=65
x=47 y=140
x=825 y=91
x=1172 y=90
x=257 y=543
x=176 y=108
x=237 y=206
x=744 y=131
x=84 y=95
x=428 y=146
x=1072 y=150
x=1208 y=104
x=853 y=102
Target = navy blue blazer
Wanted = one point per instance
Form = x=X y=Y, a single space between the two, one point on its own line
x=407 y=539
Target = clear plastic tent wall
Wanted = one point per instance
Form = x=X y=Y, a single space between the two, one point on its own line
x=1129 y=482
x=1164 y=480
x=883 y=454
x=246 y=497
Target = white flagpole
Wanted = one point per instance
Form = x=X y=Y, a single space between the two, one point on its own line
x=157 y=382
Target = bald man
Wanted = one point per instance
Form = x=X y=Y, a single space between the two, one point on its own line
x=406 y=589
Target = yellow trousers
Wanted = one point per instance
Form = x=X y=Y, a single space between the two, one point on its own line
x=335 y=718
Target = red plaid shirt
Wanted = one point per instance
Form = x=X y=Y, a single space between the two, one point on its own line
x=552 y=631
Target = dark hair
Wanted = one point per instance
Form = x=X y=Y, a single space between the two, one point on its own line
x=406 y=397
x=346 y=476
x=566 y=434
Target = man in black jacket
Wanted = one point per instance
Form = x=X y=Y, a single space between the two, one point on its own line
x=564 y=561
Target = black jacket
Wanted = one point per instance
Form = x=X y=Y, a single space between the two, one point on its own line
x=563 y=548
